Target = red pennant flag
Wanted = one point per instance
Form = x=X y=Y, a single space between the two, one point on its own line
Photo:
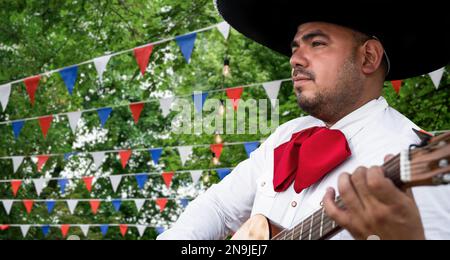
x=94 y=206
x=123 y=229
x=45 y=123
x=31 y=85
x=136 y=109
x=28 y=205
x=397 y=84
x=42 y=159
x=161 y=202
x=4 y=227
x=15 y=186
x=234 y=94
x=88 y=182
x=124 y=157
x=217 y=150
x=142 y=57
x=65 y=230
x=167 y=176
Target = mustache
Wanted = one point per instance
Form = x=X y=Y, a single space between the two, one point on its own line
x=300 y=71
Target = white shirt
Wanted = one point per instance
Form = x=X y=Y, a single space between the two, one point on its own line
x=372 y=131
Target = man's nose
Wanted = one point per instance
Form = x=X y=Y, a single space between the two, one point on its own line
x=298 y=59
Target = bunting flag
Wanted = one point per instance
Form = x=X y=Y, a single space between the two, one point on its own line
x=28 y=205
x=136 y=110
x=50 y=206
x=103 y=114
x=141 y=179
x=104 y=229
x=31 y=85
x=17 y=128
x=184 y=202
x=124 y=157
x=45 y=123
x=436 y=77
x=123 y=229
x=250 y=147
x=195 y=175
x=139 y=204
x=167 y=177
x=234 y=94
x=272 y=90
x=98 y=157
x=84 y=229
x=199 y=100
x=95 y=204
x=74 y=118
x=223 y=173
x=24 y=229
x=88 y=183
x=45 y=230
x=69 y=76
x=166 y=105
x=142 y=57
x=161 y=202
x=65 y=230
x=141 y=229
x=17 y=161
x=224 y=29
x=160 y=230
x=185 y=153
x=4 y=227
x=117 y=204
x=100 y=66
x=156 y=155
x=5 y=93
x=397 y=84
x=186 y=43
x=115 y=181
x=67 y=156
x=62 y=185
x=72 y=204
x=39 y=185
x=41 y=161
x=217 y=150
x=15 y=185
x=7 y=204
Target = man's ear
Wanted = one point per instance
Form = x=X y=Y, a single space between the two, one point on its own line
x=373 y=56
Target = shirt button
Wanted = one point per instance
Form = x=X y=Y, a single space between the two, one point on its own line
x=263 y=184
x=294 y=204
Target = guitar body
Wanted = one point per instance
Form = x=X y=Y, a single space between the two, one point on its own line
x=256 y=228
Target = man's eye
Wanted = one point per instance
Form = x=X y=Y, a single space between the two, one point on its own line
x=317 y=44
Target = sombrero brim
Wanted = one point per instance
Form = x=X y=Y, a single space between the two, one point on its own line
x=415 y=36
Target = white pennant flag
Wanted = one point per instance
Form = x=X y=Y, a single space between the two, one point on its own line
x=39 y=185
x=17 y=161
x=166 y=104
x=24 y=229
x=436 y=77
x=141 y=229
x=139 y=203
x=272 y=90
x=74 y=117
x=224 y=29
x=5 y=92
x=115 y=181
x=185 y=153
x=84 y=229
x=8 y=205
x=72 y=204
x=195 y=175
x=98 y=157
x=100 y=65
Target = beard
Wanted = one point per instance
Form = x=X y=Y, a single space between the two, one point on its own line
x=332 y=103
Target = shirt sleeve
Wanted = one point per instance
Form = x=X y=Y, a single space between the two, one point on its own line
x=223 y=208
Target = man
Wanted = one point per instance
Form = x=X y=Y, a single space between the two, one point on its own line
x=340 y=62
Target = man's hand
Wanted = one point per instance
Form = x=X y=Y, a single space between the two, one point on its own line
x=374 y=206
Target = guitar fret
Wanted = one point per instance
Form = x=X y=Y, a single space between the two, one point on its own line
x=321 y=222
x=310 y=228
x=301 y=231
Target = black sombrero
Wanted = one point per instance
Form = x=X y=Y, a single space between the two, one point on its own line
x=415 y=35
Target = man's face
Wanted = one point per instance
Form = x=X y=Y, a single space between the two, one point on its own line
x=326 y=74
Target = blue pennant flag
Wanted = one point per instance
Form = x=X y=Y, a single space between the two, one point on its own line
x=104 y=113
x=223 y=173
x=160 y=230
x=199 y=100
x=69 y=76
x=68 y=155
x=104 y=229
x=45 y=230
x=50 y=206
x=141 y=180
x=186 y=43
x=250 y=147
x=62 y=185
x=184 y=202
x=117 y=204
x=17 y=128
x=156 y=155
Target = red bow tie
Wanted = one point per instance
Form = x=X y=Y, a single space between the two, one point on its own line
x=308 y=157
